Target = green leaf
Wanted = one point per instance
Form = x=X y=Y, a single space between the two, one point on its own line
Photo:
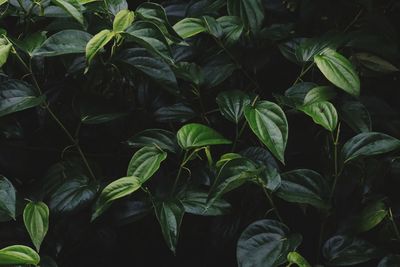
x=304 y=186
x=319 y=94
x=212 y=26
x=356 y=115
x=190 y=72
x=96 y=110
x=16 y=96
x=322 y=113
x=295 y=95
x=156 y=69
x=268 y=121
x=310 y=47
x=149 y=36
x=114 y=6
x=178 y=112
x=196 y=135
x=145 y=162
x=115 y=190
x=170 y=214
x=342 y=250
x=18 y=254
x=250 y=11
x=232 y=28
x=375 y=63
x=98 y=42
x=195 y=202
x=32 y=42
x=370 y=216
x=123 y=20
x=164 y=139
x=36 y=220
x=7 y=197
x=232 y=103
x=73 y=195
x=71 y=10
x=265 y=243
x=339 y=71
x=5 y=48
x=296 y=258
x=63 y=42
x=189 y=27
x=368 y=144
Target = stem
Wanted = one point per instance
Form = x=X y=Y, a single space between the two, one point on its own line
x=302 y=73
x=178 y=175
x=272 y=203
x=354 y=20
x=335 y=140
x=394 y=225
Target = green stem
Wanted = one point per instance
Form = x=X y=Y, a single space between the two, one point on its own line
x=178 y=175
x=302 y=73
x=271 y=202
x=335 y=141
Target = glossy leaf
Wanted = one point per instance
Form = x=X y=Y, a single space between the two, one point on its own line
x=115 y=190
x=268 y=121
x=295 y=95
x=70 y=9
x=7 y=197
x=195 y=202
x=250 y=11
x=170 y=214
x=370 y=216
x=163 y=139
x=304 y=186
x=97 y=43
x=145 y=162
x=339 y=71
x=36 y=220
x=196 y=135
x=18 y=254
x=319 y=94
x=322 y=113
x=232 y=103
x=189 y=27
x=123 y=20
x=265 y=243
x=356 y=115
x=369 y=144
x=232 y=28
x=115 y=6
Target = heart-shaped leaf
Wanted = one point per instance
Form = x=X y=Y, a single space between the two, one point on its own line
x=18 y=254
x=97 y=42
x=36 y=220
x=164 y=139
x=232 y=104
x=123 y=20
x=196 y=135
x=70 y=9
x=323 y=113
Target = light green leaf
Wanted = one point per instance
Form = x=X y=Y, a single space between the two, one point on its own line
x=123 y=20
x=369 y=144
x=370 y=216
x=70 y=9
x=36 y=220
x=115 y=190
x=98 y=42
x=322 y=113
x=5 y=48
x=145 y=162
x=7 y=197
x=195 y=135
x=18 y=254
x=339 y=71
x=296 y=258
x=189 y=27
x=268 y=121
x=232 y=103
x=318 y=94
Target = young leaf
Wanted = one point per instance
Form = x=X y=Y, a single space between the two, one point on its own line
x=189 y=27
x=17 y=254
x=7 y=197
x=170 y=214
x=96 y=43
x=36 y=220
x=63 y=42
x=70 y=9
x=368 y=144
x=232 y=103
x=196 y=135
x=164 y=139
x=322 y=113
x=304 y=186
x=339 y=71
x=115 y=190
x=123 y=20
x=145 y=162
x=266 y=243
x=268 y=121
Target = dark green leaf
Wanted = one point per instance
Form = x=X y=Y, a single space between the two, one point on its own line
x=390 y=261
x=164 y=139
x=356 y=115
x=195 y=202
x=212 y=26
x=375 y=63
x=370 y=216
x=196 y=135
x=232 y=104
x=232 y=28
x=7 y=197
x=115 y=6
x=250 y=11
x=36 y=220
x=70 y=9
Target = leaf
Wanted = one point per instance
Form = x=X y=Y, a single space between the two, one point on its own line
x=195 y=202
x=217 y=69
x=115 y=190
x=145 y=162
x=178 y=112
x=250 y=11
x=375 y=63
x=196 y=135
x=33 y=42
x=16 y=96
x=268 y=121
x=149 y=36
x=368 y=144
x=322 y=113
x=189 y=27
x=73 y=195
x=308 y=48
x=265 y=243
x=114 y=6
x=296 y=258
x=7 y=197
x=63 y=42
x=390 y=261
x=98 y=42
x=163 y=139
x=170 y=214
x=296 y=94
x=232 y=28
x=319 y=94
x=342 y=250
x=370 y=216
x=305 y=187
x=212 y=26
x=96 y=110
x=5 y=48
x=18 y=254
x=339 y=71
x=356 y=115
x=156 y=69
x=71 y=10
x=123 y=20
x=36 y=220
x=190 y=72
x=232 y=103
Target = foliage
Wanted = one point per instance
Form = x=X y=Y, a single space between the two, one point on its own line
x=251 y=133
